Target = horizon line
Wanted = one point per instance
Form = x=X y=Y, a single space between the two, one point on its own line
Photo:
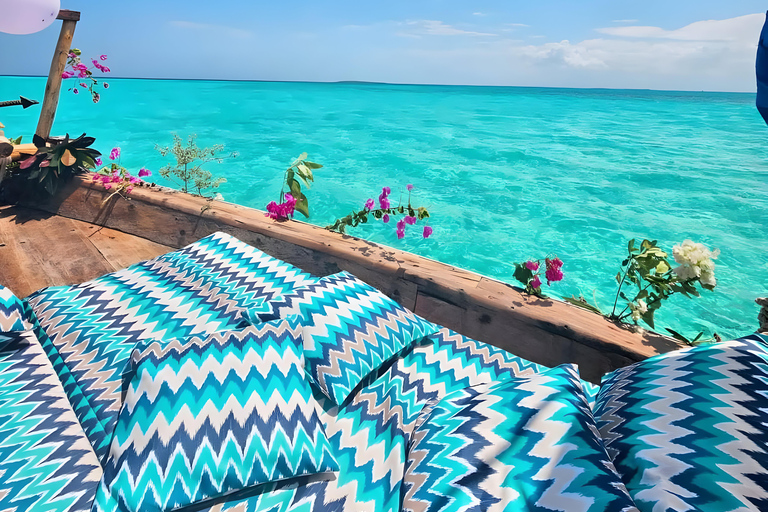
x=366 y=82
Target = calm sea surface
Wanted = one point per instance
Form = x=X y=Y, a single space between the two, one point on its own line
x=507 y=173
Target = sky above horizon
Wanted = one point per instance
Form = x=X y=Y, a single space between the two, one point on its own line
x=678 y=44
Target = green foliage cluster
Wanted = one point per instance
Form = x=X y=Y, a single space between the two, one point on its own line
x=188 y=172
x=356 y=218
x=300 y=168
x=56 y=161
x=646 y=279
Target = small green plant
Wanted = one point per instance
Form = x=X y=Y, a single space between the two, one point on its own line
x=57 y=160
x=188 y=173
x=529 y=273
x=647 y=271
x=411 y=215
x=294 y=198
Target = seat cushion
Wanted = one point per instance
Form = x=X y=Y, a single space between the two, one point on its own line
x=12 y=315
x=88 y=330
x=350 y=329
x=522 y=444
x=687 y=429
x=204 y=418
x=46 y=462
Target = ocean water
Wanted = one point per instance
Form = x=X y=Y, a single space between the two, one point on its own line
x=508 y=174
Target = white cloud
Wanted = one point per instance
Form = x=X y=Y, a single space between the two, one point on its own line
x=479 y=14
x=435 y=28
x=209 y=27
x=732 y=29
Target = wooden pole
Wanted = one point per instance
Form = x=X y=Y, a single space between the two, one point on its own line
x=52 y=88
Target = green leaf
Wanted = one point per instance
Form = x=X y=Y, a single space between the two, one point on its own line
x=302 y=206
x=662 y=267
x=680 y=337
x=642 y=294
x=582 y=303
x=618 y=277
x=312 y=165
x=648 y=317
x=631 y=246
x=522 y=273
x=295 y=189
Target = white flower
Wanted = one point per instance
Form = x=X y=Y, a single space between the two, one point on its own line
x=695 y=262
x=638 y=310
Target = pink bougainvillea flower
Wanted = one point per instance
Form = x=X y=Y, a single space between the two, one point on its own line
x=386 y=191
x=533 y=266
x=385 y=218
x=400 y=224
x=535 y=282
x=106 y=85
x=67 y=74
x=555 y=262
x=128 y=190
x=409 y=187
x=114 y=154
x=369 y=204
x=71 y=55
x=384 y=203
x=103 y=57
x=400 y=234
x=107 y=186
x=134 y=179
x=282 y=211
x=410 y=220
x=75 y=91
x=83 y=85
x=98 y=160
x=427 y=231
x=144 y=172
x=553 y=274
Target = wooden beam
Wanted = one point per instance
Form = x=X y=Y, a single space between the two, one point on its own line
x=65 y=14
x=58 y=63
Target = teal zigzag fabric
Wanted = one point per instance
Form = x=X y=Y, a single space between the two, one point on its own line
x=369 y=434
x=350 y=329
x=12 y=317
x=687 y=429
x=522 y=444
x=204 y=418
x=88 y=330
x=46 y=462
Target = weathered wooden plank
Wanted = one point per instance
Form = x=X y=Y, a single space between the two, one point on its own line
x=119 y=249
x=49 y=249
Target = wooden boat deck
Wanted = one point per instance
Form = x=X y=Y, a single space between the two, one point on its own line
x=39 y=249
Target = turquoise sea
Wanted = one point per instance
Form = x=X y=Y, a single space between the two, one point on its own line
x=507 y=173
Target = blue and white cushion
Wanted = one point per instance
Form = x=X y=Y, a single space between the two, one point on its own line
x=688 y=430
x=350 y=329
x=89 y=330
x=523 y=444
x=204 y=418
x=12 y=316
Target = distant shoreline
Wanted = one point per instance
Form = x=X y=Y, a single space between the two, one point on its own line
x=362 y=82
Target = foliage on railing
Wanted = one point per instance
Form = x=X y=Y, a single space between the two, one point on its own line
x=647 y=271
x=529 y=274
x=188 y=172
x=410 y=215
x=300 y=171
x=116 y=178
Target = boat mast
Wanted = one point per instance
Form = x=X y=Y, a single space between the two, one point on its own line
x=52 y=88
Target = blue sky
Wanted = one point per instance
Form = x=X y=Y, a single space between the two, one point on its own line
x=671 y=44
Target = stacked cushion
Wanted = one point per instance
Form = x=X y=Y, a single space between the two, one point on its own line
x=688 y=430
x=522 y=444
x=12 y=315
x=46 y=462
x=88 y=330
x=207 y=417
x=350 y=329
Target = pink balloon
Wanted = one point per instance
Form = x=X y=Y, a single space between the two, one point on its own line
x=27 y=16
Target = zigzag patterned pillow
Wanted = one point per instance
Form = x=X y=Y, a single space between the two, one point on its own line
x=687 y=430
x=350 y=329
x=12 y=317
x=205 y=418
x=527 y=443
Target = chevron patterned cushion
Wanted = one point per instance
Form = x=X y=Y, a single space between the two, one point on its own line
x=12 y=317
x=46 y=462
x=526 y=443
x=89 y=330
x=688 y=430
x=350 y=329
x=206 y=417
